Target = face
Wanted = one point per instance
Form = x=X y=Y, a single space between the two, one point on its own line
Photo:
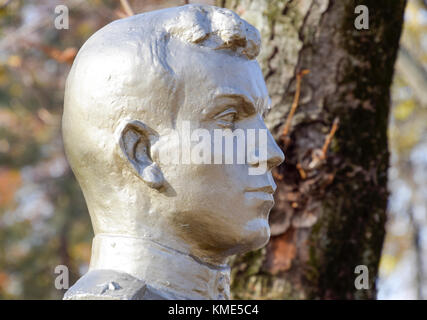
x=218 y=209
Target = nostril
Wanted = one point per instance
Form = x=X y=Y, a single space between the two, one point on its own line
x=275 y=161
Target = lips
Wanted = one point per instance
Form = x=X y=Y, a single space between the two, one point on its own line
x=262 y=197
x=267 y=189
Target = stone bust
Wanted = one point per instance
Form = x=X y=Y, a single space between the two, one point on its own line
x=164 y=229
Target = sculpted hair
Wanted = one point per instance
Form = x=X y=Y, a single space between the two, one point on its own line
x=215 y=28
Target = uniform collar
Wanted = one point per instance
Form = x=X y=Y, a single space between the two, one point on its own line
x=163 y=268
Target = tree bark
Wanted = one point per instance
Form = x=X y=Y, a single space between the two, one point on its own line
x=330 y=207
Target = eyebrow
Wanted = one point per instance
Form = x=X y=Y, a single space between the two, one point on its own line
x=259 y=106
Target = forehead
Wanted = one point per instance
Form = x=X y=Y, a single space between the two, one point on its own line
x=209 y=75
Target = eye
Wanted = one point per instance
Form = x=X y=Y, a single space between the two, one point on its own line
x=226 y=118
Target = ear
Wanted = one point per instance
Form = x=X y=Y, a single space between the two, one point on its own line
x=135 y=141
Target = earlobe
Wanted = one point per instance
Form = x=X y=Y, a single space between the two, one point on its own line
x=135 y=144
x=153 y=176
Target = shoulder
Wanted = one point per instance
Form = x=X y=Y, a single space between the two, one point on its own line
x=115 y=285
x=108 y=285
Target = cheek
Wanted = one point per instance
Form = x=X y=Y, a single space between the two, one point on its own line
x=214 y=187
x=227 y=181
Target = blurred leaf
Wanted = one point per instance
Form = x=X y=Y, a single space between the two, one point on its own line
x=403 y=110
x=10 y=181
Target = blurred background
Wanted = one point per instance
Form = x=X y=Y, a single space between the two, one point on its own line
x=43 y=216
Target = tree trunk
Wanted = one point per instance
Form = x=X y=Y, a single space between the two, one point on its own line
x=330 y=206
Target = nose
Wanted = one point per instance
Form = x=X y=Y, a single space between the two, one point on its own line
x=275 y=155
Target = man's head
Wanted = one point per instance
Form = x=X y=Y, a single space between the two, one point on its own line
x=137 y=82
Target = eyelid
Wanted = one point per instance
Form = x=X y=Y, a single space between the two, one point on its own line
x=226 y=123
x=226 y=112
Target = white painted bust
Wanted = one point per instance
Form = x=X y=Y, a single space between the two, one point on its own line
x=164 y=229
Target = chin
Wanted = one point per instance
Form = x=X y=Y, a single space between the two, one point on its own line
x=257 y=234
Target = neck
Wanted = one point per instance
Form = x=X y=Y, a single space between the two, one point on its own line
x=163 y=268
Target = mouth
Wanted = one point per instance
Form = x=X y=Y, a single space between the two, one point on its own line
x=262 y=198
x=266 y=189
